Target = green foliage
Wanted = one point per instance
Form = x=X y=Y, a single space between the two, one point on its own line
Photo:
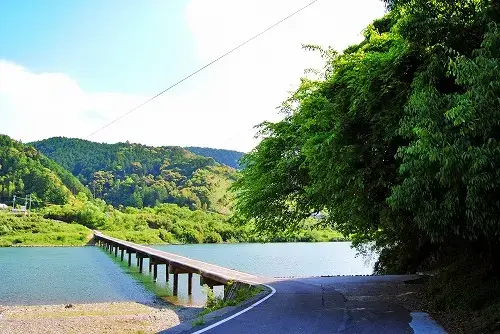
x=35 y=230
x=169 y=223
x=142 y=176
x=396 y=141
x=24 y=171
x=225 y=157
x=334 y=152
x=241 y=292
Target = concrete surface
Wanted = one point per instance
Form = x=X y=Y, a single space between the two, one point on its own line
x=312 y=305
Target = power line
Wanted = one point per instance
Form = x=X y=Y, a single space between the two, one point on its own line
x=204 y=67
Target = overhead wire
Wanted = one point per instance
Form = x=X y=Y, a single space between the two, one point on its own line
x=203 y=67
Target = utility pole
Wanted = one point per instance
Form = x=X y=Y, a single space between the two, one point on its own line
x=29 y=208
x=14 y=203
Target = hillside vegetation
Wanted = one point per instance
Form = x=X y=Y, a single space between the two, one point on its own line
x=37 y=231
x=226 y=157
x=23 y=171
x=71 y=224
x=142 y=176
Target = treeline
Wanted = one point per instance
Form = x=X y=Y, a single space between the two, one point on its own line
x=169 y=223
x=71 y=224
x=141 y=176
x=397 y=142
x=227 y=157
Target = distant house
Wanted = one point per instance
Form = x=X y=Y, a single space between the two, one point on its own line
x=4 y=206
x=22 y=209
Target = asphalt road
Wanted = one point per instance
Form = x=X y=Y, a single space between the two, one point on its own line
x=312 y=305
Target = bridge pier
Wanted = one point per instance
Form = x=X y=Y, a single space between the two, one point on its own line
x=176 y=284
x=210 y=275
x=141 y=261
x=190 y=283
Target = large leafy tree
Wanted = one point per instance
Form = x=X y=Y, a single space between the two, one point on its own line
x=397 y=143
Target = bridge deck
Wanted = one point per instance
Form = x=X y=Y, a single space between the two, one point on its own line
x=181 y=264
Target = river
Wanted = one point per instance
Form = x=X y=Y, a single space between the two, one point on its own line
x=56 y=275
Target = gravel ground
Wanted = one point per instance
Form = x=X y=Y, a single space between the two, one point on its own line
x=122 y=317
x=408 y=295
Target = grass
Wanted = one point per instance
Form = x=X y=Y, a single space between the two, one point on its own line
x=34 y=230
x=465 y=297
x=198 y=321
x=241 y=293
x=145 y=237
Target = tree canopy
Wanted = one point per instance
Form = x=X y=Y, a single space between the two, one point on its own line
x=24 y=171
x=396 y=140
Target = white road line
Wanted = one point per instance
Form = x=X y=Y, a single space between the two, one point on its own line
x=273 y=291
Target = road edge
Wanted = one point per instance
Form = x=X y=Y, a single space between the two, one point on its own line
x=213 y=319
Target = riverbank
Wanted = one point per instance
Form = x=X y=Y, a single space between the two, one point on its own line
x=119 y=317
x=41 y=229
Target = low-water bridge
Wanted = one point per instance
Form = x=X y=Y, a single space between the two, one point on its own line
x=210 y=274
x=304 y=305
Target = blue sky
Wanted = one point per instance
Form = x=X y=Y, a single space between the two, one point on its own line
x=126 y=46
x=68 y=67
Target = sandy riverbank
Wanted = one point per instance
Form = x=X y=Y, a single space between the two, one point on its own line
x=122 y=317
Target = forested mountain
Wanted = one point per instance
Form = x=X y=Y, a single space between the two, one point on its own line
x=227 y=157
x=25 y=171
x=138 y=175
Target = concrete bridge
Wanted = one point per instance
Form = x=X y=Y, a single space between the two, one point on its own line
x=210 y=274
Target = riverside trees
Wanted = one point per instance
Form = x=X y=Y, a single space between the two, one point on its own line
x=397 y=141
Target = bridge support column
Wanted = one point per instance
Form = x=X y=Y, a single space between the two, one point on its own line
x=122 y=250
x=190 y=283
x=110 y=248
x=167 y=275
x=210 y=282
x=129 y=259
x=137 y=257
x=150 y=264
x=116 y=251
x=155 y=272
x=176 y=284
x=140 y=264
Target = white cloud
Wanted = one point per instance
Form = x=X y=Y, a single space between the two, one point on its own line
x=216 y=108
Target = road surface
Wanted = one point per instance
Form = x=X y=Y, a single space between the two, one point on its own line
x=313 y=305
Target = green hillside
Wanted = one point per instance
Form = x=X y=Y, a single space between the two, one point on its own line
x=24 y=170
x=227 y=157
x=138 y=176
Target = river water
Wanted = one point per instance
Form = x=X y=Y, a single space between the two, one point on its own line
x=56 y=275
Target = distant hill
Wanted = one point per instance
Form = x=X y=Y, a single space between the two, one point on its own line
x=226 y=157
x=25 y=171
x=138 y=175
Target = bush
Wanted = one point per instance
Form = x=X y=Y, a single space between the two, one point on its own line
x=212 y=238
